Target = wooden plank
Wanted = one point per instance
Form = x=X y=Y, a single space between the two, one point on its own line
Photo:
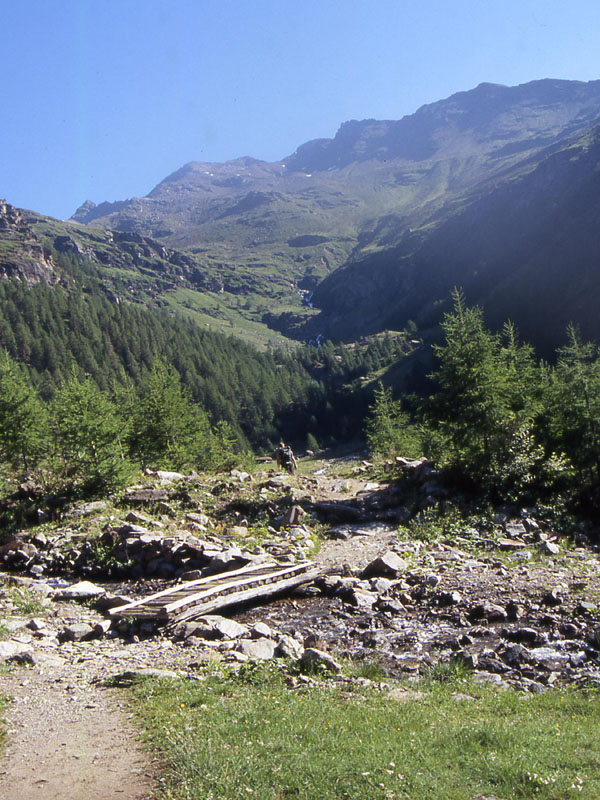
x=199 y=581
x=228 y=584
x=217 y=591
x=242 y=596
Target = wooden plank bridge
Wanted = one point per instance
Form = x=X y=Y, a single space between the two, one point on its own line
x=192 y=599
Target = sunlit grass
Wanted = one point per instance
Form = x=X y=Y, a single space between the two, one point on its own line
x=253 y=737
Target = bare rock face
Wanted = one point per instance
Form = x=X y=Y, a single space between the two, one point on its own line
x=23 y=256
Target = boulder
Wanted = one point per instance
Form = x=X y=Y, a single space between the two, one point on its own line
x=77 y=632
x=8 y=650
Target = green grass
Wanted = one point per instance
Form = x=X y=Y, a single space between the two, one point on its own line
x=25 y=601
x=251 y=736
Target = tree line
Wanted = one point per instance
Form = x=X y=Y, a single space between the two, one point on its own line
x=86 y=440
x=263 y=395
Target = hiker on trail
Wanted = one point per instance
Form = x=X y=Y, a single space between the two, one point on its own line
x=285 y=458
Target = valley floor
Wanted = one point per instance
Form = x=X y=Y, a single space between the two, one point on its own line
x=515 y=606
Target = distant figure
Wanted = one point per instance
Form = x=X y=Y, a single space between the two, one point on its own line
x=285 y=458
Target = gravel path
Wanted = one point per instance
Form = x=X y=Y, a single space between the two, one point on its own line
x=68 y=739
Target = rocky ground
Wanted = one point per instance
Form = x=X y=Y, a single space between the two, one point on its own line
x=507 y=598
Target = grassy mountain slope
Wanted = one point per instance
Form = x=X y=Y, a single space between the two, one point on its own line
x=338 y=213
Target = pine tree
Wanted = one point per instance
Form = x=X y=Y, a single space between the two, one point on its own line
x=23 y=417
x=388 y=428
x=86 y=431
x=483 y=412
x=573 y=401
x=168 y=429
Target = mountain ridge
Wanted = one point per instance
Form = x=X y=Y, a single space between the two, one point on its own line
x=372 y=227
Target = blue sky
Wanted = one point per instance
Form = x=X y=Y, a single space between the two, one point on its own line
x=102 y=99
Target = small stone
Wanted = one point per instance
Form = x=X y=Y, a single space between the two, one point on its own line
x=226 y=628
x=380 y=585
x=84 y=590
x=10 y=649
x=549 y=548
x=129 y=677
x=166 y=477
x=470 y=660
x=77 y=632
x=102 y=628
x=552 y=598
x=584 y=608
x=489 y=611
x=288 y=647
x=569 y=630
x=36 y=624
x=361 y=599
x=452 y=598
x=511 y=544
x=260 y=629
x=389 y=564
x=391 y=606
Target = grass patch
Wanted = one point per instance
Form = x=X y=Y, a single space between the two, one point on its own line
x=26 y=602
x=250 y=736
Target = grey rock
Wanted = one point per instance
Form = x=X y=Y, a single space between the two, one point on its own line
x=452 y=598
x=548 y=658
x=489 y=611
x=11 y=649
x=226 y=628
x=36 y=624
x=102 y=628
x=84 y=590
x=469 y=660
x=288 y=647
x=389 y=564
x=129 y=677
x=584 y=608
x=549 y=548
x=107 y=601
x=260 y=629
x=552 y=598
x=77 y=632
x=166 y=477
x=490 y=677
x=257 y=649
x=318 y=659
x=516 y=656
x=380 y=585
x=361 y=599
x=390 y=606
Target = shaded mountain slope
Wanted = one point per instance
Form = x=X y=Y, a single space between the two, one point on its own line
x=528 y=250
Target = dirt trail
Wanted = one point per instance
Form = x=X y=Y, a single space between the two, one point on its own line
x=68 y=739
